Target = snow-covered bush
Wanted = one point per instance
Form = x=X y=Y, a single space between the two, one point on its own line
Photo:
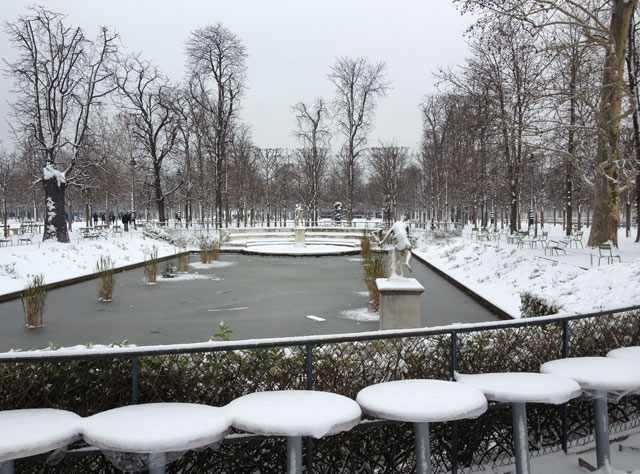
x=158 y=232
x=531 y=306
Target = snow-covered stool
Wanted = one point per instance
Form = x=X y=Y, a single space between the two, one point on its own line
x=628 y=353
x=421 y=402
x=149 y=436
x=34 y=431
x=294 y=414
x=518 y=389
x=599 y=377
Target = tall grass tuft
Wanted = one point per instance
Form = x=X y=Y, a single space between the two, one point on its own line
x=374 y=267
x=33 y=302
x=151 y=265
x=183 y=261
x=104 y=267
x=209 y=249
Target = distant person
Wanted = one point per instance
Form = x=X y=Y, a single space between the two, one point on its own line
x=125 y=222
x=103 y=218
x=95 y=218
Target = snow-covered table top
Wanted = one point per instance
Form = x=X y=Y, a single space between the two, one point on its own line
x=629 y=353
x=157 y=427
x=294 y=413
x=36 y=430
x=523 y=387
x=597 y=373
x=420 y=401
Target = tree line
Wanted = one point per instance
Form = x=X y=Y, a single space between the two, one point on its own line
x=542 y=116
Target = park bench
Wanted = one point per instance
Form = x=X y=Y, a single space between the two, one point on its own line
x=90 y=234
x=556 y=246
x=4 y=242
x=116 y=229
x=606 y=252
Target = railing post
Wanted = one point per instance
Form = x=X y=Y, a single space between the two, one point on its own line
x=134 y=380
x=565 y=406
x=309 y=364
x=454 y=424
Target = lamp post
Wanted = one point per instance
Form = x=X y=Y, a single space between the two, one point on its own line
x=132 y=163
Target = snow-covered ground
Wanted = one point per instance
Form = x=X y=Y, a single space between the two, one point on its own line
x=573 y=283
x=57 y=262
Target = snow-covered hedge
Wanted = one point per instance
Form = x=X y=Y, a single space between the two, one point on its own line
x=92 y=385
x=532 y=306
x=176 y=237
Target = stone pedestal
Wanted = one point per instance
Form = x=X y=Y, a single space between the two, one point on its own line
x=400 y=303
x=300 y=238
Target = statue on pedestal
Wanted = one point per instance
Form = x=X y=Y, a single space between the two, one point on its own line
x=298 y=217
x=401 y=249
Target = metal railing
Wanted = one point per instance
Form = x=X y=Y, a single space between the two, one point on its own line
x=341 y=363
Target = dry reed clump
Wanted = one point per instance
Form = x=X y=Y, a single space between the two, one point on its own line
x=33 y=302
x=209 y=249
x=374 y=267
x=151 y=265
x=182 y=265
x=104 y=267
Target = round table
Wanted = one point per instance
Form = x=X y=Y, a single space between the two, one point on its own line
x=34 y=431
x=294 y=414
x=600 y=376
x=518 y=389
x=421 y=402
x=155 y=429
x=628 y=353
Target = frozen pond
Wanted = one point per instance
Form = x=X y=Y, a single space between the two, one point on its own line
x=256 y=297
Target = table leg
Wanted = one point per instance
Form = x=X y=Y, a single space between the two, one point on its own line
x=423 y=448
x=520 y=437
x=603 y=453
x=6 y=467
x=294 y=455
x=157 y=463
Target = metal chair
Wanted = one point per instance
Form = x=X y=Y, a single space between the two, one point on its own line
x=606 y=252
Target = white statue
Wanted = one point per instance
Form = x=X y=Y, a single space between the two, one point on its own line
x=298 y=217
x=401 y=248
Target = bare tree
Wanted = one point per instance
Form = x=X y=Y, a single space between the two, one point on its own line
x=216 y=58
x=359 y=84
x=605 y=24
x=146 y=101
x=314 y=136
x=7 y=176
x=270 y=160
x=60 y=76
x=387 y=164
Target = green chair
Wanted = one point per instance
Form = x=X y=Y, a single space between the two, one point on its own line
x=606 y=252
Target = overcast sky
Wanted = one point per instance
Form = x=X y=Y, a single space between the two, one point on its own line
x=291 y=44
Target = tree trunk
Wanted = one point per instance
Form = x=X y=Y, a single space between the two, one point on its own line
x=606 y=186
x=54 y=222
x=159 y=197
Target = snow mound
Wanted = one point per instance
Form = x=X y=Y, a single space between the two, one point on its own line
x=360 y=314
